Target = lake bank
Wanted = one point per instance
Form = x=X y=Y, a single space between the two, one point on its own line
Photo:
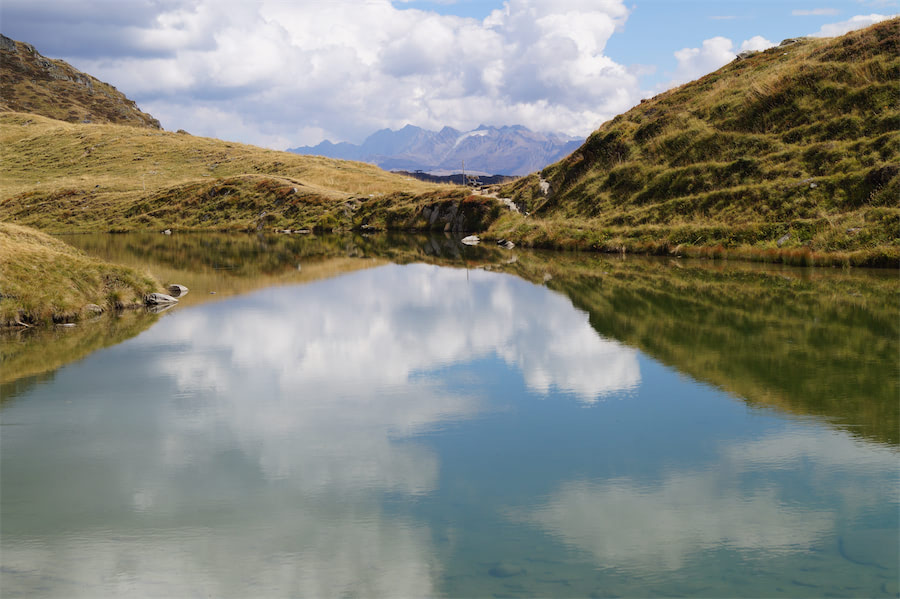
x=32 y=297
x=44 y=280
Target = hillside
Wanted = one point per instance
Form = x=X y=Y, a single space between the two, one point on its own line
x=788 y=155
x=64 y=177
x=53 y=88
x=791 y=149
x=121 y=172
x=484 y=150
x=43 y=279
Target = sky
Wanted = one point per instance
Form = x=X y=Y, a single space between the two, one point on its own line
x=280 y=73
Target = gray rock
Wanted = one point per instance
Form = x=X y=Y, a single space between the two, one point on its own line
x=746 y=54
x=7 y=44
x=471 y=240
x=158 y=299
x=93 y=309
x=505 y=243
x=167 y=232
x=545 y=187
x=781 y=240
x=176 y=290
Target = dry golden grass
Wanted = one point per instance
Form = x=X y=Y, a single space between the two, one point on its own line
x=42 y=154
x=39 y=85
x=45 y=280
x=73 y=177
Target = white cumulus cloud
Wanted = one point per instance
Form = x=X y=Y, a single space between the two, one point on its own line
x=712 y=54
x=852 y=24
x=274 y=71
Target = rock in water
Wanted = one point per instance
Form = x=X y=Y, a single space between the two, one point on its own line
x=471 y=240
x=93 y=309
x=157 y=299
x=176 y=290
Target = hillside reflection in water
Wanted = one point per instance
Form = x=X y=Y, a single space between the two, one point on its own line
x=417 y=430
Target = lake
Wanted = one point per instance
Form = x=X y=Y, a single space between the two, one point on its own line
x=409 y=417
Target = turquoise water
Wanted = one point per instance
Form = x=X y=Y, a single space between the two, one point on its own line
x=417 y=430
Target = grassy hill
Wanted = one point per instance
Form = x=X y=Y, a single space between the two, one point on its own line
x=73 y=177
x=43 y=279
x=39 y=85
x=788 y=153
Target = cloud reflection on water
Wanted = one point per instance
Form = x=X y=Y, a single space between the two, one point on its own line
x=280 y=421
x=734 y=504
x=379 y=327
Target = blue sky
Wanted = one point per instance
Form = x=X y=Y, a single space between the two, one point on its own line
x=282 y=73
x=655 y=29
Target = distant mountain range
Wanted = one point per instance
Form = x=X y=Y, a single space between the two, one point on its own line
x=485 y=150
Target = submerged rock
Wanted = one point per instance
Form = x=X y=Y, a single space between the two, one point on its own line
x=159 y=299
x=503 y=570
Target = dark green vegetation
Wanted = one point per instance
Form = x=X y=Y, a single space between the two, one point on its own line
x=790 y=340
x=789 y=155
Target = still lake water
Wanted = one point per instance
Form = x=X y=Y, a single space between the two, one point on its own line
x=414 y=418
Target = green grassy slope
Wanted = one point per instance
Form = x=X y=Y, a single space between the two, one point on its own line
x=794 y=148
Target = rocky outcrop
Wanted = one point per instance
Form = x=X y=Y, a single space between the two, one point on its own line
x=53 y=88
x=474 y=213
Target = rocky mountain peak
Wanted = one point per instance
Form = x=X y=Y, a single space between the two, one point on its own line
x=53 y=88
